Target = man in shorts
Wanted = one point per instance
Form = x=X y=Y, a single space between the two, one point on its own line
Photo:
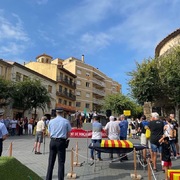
x=156 y=127
x=40 y=130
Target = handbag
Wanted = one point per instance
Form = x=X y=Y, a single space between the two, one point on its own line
x=148 y=133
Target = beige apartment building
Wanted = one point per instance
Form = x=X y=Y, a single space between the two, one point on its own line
x=65 y=86
x=91 y=84
x=16 y=72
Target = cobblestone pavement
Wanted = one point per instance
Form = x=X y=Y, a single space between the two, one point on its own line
x=103 y=170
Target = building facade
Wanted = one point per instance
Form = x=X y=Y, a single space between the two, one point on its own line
x=92 y=85
x=167 y=43
x=16 y=72
x=65 y=86
x=84 y=85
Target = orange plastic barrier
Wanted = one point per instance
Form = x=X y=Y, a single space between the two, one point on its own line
x=172 y=172
x=116 y=143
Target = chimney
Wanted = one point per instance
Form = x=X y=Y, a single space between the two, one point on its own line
x=83 y=58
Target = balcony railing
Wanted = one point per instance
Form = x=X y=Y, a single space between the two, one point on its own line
x=98 y=101
x=99 y=92
x=66 y=95
x=65 y=107
x=100 y=83
x=66 y=82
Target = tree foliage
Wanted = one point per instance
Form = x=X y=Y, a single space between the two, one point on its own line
x=169 y=73
x=117 y=103
x=158 y=80
x=30 y=94
x=144 y=83
x=5 y=92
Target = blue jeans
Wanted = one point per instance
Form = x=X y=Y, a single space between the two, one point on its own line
x=92 y=150
x=173 y=147
x=156 y=148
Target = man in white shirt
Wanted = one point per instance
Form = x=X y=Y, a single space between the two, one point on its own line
x=112 y=130
x=40 y=129
x=96 y=136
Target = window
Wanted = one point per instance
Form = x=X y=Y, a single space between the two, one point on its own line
x=70 y=103
x=25 y=77
x=61 y=76
x=87 y=95
x=78 y=82
x=65 y=102
x=59 y=100
x=18 y=76
x=87 y=84
x=60 y=88
x=78 y=93
x=78 y=104
x=49 y=89
x=66 y=78
x=87 y=105
x=70 y=81
x=78 y=71
x=65 y=91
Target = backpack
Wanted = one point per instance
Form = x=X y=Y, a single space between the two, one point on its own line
x=172 y=133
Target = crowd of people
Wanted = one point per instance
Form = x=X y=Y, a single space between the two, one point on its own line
x=161 y=142
x=159 y=135
x=20 y=126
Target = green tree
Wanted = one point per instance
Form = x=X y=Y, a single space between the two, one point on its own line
x=117 y=103
x=5 y=92
x=169 y=74
x=30 y=94
x=145 y=84
x=158 y=81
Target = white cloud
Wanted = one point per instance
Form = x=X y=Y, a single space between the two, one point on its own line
x=13 y=38
x=9 y=30
x=136 y=25
x=84 y=15
x=12 y=48
x=90 y=42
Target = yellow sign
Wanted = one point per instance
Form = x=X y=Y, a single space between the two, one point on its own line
x=127 y=112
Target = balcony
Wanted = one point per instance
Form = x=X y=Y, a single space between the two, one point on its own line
x=66 y=95
x=98 y=82
x=66 y=82
x=98 y=101
x=66 y=107
x=99 y=92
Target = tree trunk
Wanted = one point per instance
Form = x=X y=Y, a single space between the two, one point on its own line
x=177 y=113
x=35 y=114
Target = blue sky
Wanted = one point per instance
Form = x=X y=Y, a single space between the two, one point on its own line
x=112 y=34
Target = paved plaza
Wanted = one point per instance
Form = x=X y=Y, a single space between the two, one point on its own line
x=103 y=170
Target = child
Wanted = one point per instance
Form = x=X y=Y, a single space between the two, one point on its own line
x=166 y=155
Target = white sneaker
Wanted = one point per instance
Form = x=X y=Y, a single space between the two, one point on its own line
x=175 y=157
